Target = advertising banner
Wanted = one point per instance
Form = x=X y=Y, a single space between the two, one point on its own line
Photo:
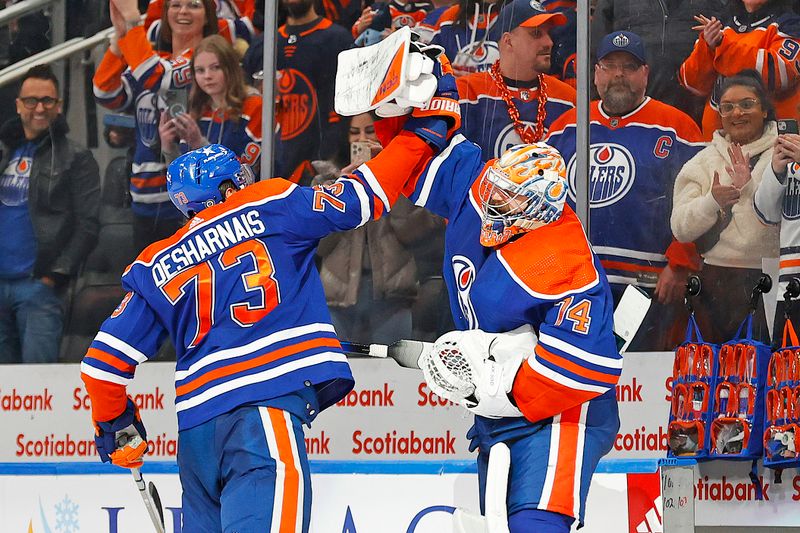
x=390 y=415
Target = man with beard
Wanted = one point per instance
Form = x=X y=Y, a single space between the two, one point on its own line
x=515 y=101
x=308 y=46
x=638 y=146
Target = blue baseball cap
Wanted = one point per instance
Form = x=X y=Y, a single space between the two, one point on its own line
x=528 y=14
x=622 y=41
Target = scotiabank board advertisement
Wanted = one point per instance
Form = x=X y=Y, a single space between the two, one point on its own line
x=390 y=416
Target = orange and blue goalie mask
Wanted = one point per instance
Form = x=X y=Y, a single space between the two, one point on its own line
x=523 y=189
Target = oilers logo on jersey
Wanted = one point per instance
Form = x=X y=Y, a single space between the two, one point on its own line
x=298 y=103
x=791 y=202
x=147 y=119
x=477 y=57
x=464 y=274
x=509 y=137
x=612 y=171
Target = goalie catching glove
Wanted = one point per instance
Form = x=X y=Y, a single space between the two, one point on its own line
x=477 y=369
x=123 y=440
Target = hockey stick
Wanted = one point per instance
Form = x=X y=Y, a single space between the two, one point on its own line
x=151 y=499
x=628 y=317
x=405 y=352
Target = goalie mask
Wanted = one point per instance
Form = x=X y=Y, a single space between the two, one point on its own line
x=523 y=189
x=194 y=179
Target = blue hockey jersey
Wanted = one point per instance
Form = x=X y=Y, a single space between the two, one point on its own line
x=548 y=278
x=484 y=114
x=237 y=291
x=633 y=163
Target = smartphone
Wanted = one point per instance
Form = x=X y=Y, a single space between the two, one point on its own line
x=360 y=152
x=177 y=101
x=788 y=125
x=629 y=315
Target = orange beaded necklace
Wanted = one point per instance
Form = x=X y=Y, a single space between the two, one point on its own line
x=524 y=133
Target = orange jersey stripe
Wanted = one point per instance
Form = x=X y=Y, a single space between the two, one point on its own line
x=109 y=359
x=562 y=498
x=560 y=362
x=788 y=263
x=291 y=480
x=539 y=397
x=618 y=265
x=255 y=363
x=156 y=181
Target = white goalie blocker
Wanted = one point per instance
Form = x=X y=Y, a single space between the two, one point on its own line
x=390 y=77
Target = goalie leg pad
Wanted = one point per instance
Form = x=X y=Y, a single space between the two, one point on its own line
x=497 y=489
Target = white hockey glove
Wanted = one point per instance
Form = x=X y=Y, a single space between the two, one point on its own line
x=477 y=369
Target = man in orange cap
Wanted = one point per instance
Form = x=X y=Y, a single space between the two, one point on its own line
x=515 y=101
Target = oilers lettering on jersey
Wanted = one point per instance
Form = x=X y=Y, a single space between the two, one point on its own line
x=633 y=161
x=612 y=172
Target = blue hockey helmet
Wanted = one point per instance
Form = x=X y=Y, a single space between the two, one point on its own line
x=194 y=178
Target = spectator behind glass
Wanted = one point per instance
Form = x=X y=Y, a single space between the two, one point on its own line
x=638 y=146
x=665 y=28
x=777 y=201
x=308 y=47
x=134 y=77
x=382 y=18
x=222 y=109
x=464 y=31
x=49 y=201
x=713 y=206
x=369 y=273
x=754 y=34
x=515 y=84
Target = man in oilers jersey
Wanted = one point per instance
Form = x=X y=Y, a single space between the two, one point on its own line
x=534 y=356
x=639 y=144
x=237 y=292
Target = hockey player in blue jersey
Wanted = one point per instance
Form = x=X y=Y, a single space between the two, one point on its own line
x=237 y=292
x=534 y=356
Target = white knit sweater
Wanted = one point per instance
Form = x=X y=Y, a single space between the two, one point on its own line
x=745 y=240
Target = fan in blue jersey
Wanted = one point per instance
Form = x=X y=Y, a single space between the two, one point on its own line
x=237 y=292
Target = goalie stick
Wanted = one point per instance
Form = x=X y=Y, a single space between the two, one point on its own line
x=628 y=316
x=405 y=352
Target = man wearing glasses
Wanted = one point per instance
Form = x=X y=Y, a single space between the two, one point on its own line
x=638 y=146
x=49 y=202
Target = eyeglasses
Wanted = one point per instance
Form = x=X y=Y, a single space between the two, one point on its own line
x=627 y=68
x=30 y=102
x=746 y=105
x=194 y=5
